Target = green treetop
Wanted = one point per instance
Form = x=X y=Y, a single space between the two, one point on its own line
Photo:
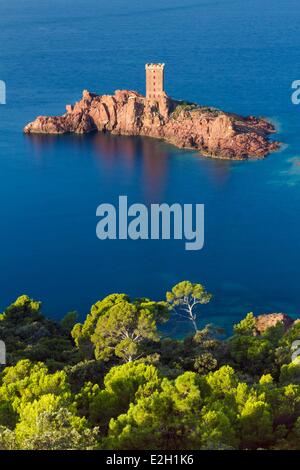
x=185 y=299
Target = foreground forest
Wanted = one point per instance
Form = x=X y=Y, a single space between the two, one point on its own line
x=116 y=382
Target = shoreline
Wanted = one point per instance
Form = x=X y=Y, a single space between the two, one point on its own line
x=211 y=132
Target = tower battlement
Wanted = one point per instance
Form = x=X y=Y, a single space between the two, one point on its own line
x=154 y=66
x=154 y=81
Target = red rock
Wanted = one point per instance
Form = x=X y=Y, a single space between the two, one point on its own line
x=271 y=319
x=212 y=132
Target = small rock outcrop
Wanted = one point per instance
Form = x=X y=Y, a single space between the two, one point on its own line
x=212 y=132
x=263 y=322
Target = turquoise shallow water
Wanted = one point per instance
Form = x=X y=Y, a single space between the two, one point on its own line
x=236 y=55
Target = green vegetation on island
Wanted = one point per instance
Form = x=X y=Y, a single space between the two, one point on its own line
x=116 y=382
x=179 y=106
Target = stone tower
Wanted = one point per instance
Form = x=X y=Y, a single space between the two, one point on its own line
x=154 y=81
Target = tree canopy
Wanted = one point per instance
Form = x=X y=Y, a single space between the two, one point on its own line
x=116 y=381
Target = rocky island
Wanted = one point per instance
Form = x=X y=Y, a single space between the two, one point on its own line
x=212 y=132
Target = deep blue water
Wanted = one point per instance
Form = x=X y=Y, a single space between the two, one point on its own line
x=236 y=55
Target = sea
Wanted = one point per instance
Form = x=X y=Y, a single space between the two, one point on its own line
x=236 y=55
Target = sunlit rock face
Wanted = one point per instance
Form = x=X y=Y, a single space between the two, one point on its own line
x=263 y=322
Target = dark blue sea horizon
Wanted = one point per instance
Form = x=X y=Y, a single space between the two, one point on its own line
x=237 y=56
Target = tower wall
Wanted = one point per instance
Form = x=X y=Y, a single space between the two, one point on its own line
x=154 y=81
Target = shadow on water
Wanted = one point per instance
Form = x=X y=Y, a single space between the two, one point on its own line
x=153 y=156
x=134 y=156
